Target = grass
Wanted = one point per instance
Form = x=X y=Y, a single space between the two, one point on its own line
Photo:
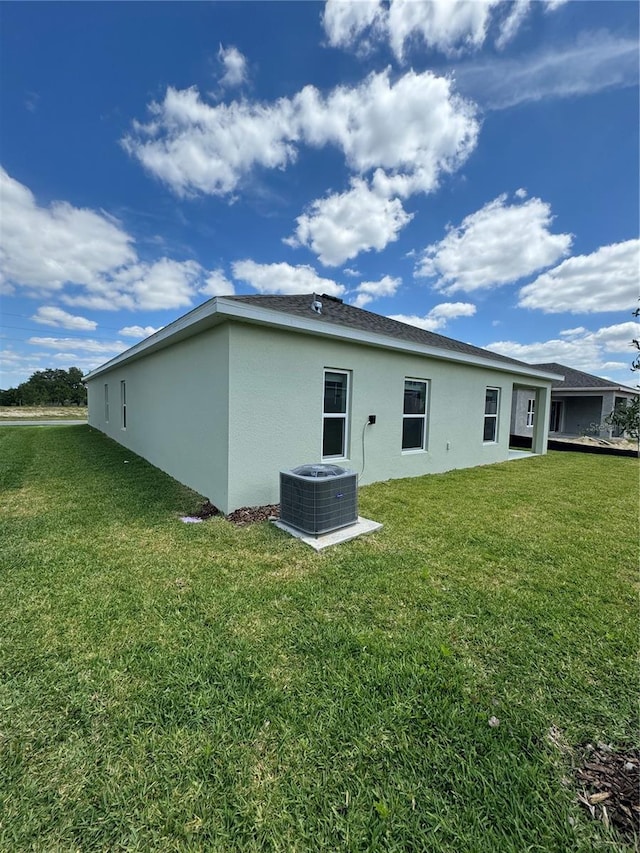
x=208 y=687
x=42 y=413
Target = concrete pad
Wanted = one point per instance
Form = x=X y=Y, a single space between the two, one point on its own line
x=520 y=454
x=335 y=537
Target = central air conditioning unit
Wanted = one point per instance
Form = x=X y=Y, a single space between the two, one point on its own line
x=318 y=498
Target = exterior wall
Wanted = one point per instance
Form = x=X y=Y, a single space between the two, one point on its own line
x=521 y=399
x=582 y=415
x=275 y=410
x=608 y=403
x=177 y=410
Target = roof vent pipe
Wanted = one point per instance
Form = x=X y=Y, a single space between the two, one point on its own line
x=316 y=305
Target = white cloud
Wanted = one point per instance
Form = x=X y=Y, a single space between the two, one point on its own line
x=581 y=349
x=235 y=67
x=195 y=147
x=71 y=359
x=498 y=244
x=74 y=344
x=48 y=315
x=217 y=284
x=31 y=101
x=453 y=27
x=344 y=22
x=157 y=286
x=432 y=130
x=46 y=248
x=592 y=63
x=86 y=258
x=573 y=333
x=606 y=280
x=518 y=11
x=352 y=272
x=339 y=227
x=438 y=317
x=284 y=278
x=138 y=332
x=367 y=291
x=105 y=298
x=618 y=338
x=17 y=367
x=161 y=285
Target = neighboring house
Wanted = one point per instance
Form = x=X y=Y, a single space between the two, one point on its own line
x=580 y=403
x=244 y=386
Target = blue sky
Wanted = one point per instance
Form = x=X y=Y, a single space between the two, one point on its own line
x=470 y=167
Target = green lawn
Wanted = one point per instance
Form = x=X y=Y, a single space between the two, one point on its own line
x=207 y=687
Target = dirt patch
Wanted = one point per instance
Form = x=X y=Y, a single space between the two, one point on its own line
x=16 y=413
x=251 y=514
x=207 y=510
x=241 y=517
x=609 y=783
x=592 y=441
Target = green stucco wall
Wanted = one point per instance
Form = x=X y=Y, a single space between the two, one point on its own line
x=275 y=410
x=226 y=410
x=177 y=410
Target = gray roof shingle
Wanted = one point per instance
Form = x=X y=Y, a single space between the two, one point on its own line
x=337 y=312
x=577 y=378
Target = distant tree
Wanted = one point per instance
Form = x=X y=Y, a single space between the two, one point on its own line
x=635 y=364
x=48 y=388
x=626 y=417
x=9 y=397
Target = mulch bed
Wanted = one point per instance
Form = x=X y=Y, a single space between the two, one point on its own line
x=610 y=787
x=244 y=515
x=251 y=514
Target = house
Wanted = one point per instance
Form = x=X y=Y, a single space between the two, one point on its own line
x=580 y=403
x=241 y=387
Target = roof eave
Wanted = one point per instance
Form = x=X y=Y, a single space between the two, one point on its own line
x=219 y=309
x=596 y=389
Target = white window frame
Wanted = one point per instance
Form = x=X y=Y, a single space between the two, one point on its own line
x=531 y=411
x=411 y=415
x=491 y=416
x=345 y=416
x=123 y=404
x=106 y=402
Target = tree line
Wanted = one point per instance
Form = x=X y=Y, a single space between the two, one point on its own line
x=48 y=388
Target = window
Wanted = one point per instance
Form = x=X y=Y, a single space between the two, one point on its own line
x=414 y=417
x=491 y=406
x=106 y=403
x=123 y=403
x=334 y=413
x=531 y=406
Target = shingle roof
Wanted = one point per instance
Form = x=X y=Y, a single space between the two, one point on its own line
x=337 y=312
x=577 y=378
